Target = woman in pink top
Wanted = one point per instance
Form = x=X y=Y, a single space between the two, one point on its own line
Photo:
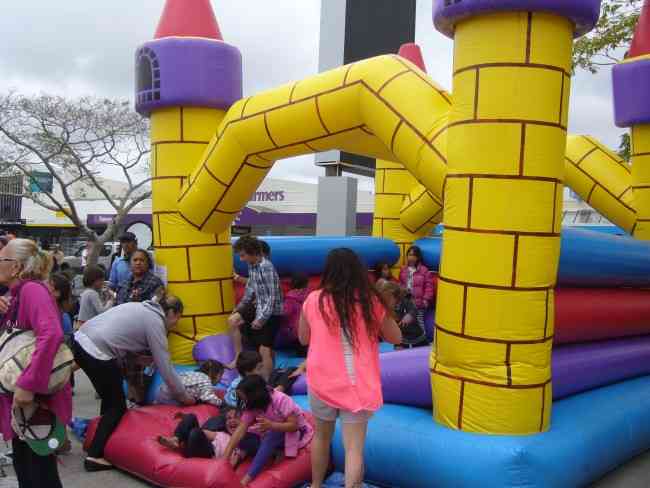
x=342 y=322
x=23 y=268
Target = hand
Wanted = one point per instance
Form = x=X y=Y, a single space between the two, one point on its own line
x=264 y=424
x=4 y=304
x=257 y=325
x=235 y=320
x=189 y=401
x=23 y=398
x=234 y=458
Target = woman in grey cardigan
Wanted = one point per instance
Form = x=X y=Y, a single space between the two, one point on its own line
x=103 y=341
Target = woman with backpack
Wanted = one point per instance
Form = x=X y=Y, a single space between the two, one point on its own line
x=29 y=305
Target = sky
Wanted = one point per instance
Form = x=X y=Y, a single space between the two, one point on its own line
x=82 y=47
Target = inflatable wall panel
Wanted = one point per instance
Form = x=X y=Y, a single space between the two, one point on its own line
x=591 y=434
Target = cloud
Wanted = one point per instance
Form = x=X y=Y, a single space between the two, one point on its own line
x=81 y=47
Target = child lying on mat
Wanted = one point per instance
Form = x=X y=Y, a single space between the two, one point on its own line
x=199 y=384
x=211 y=439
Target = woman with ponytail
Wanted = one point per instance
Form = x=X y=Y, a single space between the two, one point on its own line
x=343 y=322
x=101 y=344
x=29 y=305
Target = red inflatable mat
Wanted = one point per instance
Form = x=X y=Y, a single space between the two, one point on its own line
x=591 y=314
x=133 y=447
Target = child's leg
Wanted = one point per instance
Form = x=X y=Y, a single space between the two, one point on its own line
x=270 y=443
x=267 y=360
x=354 y=438
x=320 y=451
x=198 y=445
x=250 y=444
x=188 y=423
x=235 y=323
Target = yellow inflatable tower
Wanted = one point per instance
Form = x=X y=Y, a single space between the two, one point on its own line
x=631 y=79
x=186 y=78
x=503 y=210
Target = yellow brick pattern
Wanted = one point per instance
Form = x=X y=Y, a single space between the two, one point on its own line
x=199 y=265
x=641 y=179
x=503 y=210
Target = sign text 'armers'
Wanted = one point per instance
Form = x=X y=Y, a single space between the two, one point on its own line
x=268 y=196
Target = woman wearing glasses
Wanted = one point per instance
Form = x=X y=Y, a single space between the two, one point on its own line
x=29 y=305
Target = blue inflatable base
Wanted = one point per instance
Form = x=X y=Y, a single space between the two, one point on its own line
x=591 y=434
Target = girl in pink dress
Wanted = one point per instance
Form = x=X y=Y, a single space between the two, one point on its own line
x=343 y=322
x=275 y=417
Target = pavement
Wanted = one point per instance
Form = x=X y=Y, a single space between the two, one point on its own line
x=71 y=468
x=635 y=474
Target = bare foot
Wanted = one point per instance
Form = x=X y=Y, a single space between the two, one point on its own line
x=169 y=442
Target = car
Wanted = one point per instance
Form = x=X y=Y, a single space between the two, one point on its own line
x=105 y=257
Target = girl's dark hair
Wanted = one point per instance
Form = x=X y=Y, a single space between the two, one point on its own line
x=345 y=281
x=379 y=268
x=247 y=361
x=248 y=244
x=147 y=258
x=211 y=368
x=418 y=253
x=299 y=281
x=256 y=392
x=61 y=283
x=92 y=274
x=265 y=249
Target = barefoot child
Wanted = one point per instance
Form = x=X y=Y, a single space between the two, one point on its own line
x=211 y=439
x=278 y=420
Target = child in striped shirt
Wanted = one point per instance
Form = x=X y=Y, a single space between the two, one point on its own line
x=199 y=384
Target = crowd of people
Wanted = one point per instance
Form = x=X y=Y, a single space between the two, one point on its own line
x=119 y=329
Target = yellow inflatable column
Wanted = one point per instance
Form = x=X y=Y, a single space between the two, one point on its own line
x=641 y=179
x=503 y=210
x=631 y=79
x=198 y=265
x=186 y=79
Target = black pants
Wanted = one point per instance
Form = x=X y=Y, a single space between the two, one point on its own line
x=106 y=377
x=32 y=470
x=195 y=444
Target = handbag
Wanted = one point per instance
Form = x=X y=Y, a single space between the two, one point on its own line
x=16 y=350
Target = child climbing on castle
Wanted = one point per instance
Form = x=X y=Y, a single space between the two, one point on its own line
x=396 y=297
x=275 y=417
x=199 y=384
x=211 y=439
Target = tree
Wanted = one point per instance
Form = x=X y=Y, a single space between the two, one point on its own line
x=607 y=42
x=76 y=141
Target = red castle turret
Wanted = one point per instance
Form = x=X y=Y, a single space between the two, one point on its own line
x=641 y=41
x=413 y=53
x=188 y=18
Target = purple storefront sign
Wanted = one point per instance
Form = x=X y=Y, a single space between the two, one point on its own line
x=94 y=220
x=246 y=217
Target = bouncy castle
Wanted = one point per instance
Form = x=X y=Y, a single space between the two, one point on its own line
x=539 y=374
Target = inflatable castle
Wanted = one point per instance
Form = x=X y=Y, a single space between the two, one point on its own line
x=539 y=374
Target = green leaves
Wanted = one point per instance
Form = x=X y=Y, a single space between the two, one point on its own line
x=610 y=39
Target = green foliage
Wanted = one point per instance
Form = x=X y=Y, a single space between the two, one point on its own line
x=625 y=147
x=610 y=39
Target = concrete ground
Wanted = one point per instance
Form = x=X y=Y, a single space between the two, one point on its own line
x=635 y=474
